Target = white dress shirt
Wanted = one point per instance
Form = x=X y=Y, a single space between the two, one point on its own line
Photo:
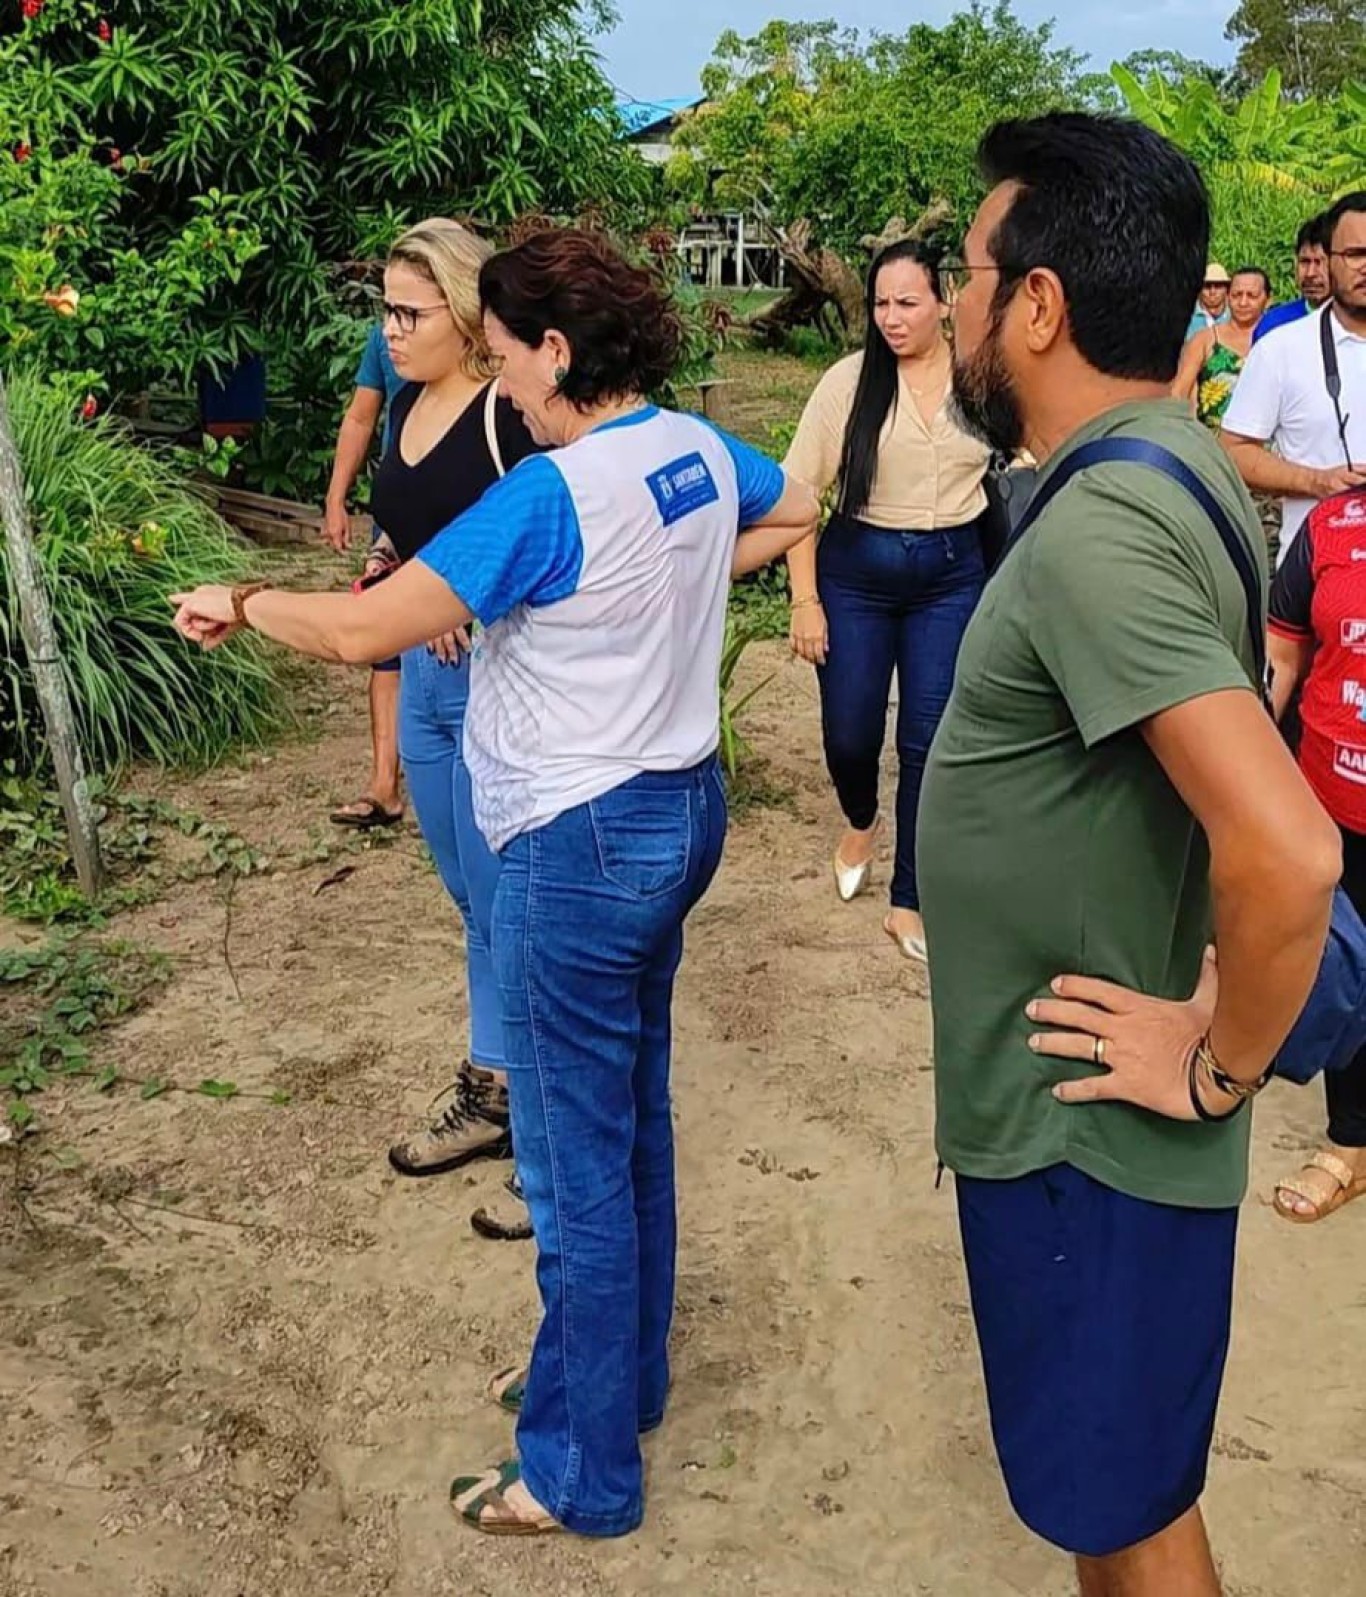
x=1282 y=399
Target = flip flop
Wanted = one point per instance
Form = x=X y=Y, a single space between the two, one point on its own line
x=479 y=1501
x=1349 y=1187
x=365 y=815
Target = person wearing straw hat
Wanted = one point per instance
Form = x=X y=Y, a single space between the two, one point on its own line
x=1211 y=309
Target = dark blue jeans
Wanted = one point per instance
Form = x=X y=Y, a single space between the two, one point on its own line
x=587 y=938
x=894 y=601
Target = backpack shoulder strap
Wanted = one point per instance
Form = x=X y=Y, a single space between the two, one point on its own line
x=1142 y=452
x=491 y=427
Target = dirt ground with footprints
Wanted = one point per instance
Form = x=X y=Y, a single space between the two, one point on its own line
x=240 y=1358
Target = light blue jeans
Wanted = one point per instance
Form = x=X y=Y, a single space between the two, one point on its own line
x=588 y=935
x=431 y=728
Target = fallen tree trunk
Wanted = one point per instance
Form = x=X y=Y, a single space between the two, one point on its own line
x=823 y=282
x=820 y=278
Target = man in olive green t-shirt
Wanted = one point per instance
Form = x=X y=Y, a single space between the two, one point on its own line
x=1105 y=797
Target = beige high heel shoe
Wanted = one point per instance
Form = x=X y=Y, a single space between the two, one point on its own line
x=851 y=880
x=911 y=947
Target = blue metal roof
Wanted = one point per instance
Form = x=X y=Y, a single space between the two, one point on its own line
x=638 y=116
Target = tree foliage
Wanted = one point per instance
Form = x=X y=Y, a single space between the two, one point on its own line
x=824 y=123
x=1317 y=46
x=1270 y=162
x=217 y=156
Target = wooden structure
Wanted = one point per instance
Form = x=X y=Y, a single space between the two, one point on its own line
x=271 y=521
x=731 y=250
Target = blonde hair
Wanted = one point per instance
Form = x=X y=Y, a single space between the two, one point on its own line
x=450 y=256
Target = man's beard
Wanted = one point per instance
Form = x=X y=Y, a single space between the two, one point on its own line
x=984 y=397
x=1351 y=303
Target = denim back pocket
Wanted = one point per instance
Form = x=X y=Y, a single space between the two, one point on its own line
x=644 y=838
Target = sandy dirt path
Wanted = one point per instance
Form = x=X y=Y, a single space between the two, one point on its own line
x=239 y=1358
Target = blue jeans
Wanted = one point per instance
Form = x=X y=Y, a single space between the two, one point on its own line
x=588 y=935
x=893 y=601
x=431 y=727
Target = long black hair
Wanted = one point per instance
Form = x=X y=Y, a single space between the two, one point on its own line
x=876 y=394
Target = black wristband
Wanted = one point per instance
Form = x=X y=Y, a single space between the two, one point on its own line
x=1192 y=1082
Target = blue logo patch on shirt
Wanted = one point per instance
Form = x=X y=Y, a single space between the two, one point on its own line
x=681 y=487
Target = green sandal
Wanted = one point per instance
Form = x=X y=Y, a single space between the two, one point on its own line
x=479 y=1500
x=508 y=1389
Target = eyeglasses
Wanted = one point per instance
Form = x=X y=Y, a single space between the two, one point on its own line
x=955 y=275
x=408 y=316
x=1355 y=257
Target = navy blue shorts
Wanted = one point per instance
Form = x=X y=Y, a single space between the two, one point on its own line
x=1104 y=1323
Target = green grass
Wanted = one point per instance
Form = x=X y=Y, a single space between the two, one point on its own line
x=761 y=396
x=118 y=530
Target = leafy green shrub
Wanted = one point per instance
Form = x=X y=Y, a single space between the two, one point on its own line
x=117 y=531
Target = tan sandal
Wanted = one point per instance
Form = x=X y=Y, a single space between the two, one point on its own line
x=1348 y=1186
x=481 y=1501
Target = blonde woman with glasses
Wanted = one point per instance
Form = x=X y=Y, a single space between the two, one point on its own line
x=451 y=439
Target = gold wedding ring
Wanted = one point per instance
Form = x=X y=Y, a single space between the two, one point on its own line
x=1098 y=1051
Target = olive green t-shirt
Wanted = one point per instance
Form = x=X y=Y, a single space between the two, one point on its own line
x=1050 y=840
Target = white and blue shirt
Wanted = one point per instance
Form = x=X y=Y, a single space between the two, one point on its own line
x=599 y=573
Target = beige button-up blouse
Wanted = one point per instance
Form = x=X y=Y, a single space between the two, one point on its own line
x=927 y=476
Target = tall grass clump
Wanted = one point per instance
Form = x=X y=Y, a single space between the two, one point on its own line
x=117 y=530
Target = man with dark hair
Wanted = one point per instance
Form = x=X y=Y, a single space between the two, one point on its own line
x=1105 y=793
x=1311 y=273
x=1284 y=397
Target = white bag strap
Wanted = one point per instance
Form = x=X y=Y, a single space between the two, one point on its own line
x=491 y=427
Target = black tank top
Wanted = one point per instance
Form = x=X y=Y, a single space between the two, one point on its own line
x=413 y=503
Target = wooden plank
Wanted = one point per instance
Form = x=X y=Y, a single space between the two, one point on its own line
x=291 y=508
x=40 y=640
x=280 y=521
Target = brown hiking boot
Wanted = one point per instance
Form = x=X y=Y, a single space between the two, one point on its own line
x=509 y=1222
x=473 y=1125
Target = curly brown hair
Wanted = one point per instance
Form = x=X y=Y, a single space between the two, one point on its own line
x=621 y=325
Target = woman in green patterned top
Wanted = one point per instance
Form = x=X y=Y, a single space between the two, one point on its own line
x=1213 y=359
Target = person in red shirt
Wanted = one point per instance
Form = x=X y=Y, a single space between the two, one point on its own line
x=1318 y=643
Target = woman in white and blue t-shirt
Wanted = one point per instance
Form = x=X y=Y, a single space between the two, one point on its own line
x=599 y=573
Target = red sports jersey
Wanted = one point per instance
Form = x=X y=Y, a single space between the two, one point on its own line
x=1320 y=594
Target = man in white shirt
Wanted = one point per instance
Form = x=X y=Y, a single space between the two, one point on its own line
x=1283 y=399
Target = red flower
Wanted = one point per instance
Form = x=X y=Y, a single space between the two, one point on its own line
x=90 y=409
x=22 y=152
x=116 y=157
x=31 y=8
x=104 y=31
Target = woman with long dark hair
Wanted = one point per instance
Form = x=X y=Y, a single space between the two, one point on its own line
x=898 y=569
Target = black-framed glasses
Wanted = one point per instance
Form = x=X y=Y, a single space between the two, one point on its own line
x=408 y=316
x=956 y=274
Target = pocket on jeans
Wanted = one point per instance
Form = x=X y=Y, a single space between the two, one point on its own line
x=643 y=838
